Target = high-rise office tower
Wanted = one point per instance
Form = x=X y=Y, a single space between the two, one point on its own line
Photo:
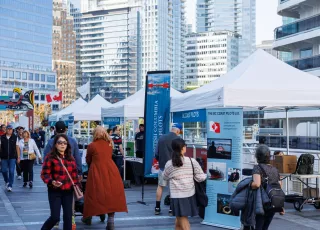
x=26 y=48
x=238 y=16
x=110 y=47
x=163 y=38
x=64 y=52
x=75 y=12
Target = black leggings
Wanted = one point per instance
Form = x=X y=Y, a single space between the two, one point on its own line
x=27 y=169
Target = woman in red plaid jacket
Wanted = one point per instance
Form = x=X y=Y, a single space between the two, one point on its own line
x=60 y=187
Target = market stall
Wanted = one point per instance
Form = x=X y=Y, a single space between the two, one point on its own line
x=259 y=83
x=75 y=106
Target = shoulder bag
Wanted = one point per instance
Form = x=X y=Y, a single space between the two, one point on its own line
x=78 y=194
x=201 y=196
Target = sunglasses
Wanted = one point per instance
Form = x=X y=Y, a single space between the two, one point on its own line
x=62 y=142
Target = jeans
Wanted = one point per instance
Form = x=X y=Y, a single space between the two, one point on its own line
x=8 y=167
x=27 y=168
x=263 y=222
x=56 y=200
x=118 y=160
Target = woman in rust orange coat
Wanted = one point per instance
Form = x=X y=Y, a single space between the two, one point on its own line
x=104 y=188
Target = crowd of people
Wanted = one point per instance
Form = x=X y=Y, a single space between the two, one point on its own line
x=62 y=171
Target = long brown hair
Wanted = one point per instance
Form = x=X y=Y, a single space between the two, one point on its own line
x=55 y=153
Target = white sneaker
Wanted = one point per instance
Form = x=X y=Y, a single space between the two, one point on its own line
x=7 y=184
x=19 y=177
x=9 y=189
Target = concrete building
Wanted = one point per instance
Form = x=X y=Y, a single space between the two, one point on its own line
x=163 y=34
x=64 y=52
x=110 y=47
x=302 y=36
x=268 y=47
x=209 y=55
x=26 y=48
x=238 y=16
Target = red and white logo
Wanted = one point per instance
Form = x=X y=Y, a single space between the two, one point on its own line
x=214 y=127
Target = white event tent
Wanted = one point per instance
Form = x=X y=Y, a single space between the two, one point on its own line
x=75 y=106
x=260 y=81
x=133 y=106
x=92 y=111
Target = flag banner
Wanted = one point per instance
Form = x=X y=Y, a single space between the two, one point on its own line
x=19 y=101
x=157 y=114
x=224 y=165
x=54 y=97
x=84 y=89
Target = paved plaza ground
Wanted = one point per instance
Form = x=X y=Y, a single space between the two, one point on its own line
x=28 y=209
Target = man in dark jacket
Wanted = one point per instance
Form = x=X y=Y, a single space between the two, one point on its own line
x=163 y=155
x=37 y=137
x=8 y=156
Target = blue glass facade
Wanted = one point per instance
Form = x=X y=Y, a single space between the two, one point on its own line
x=26 y=33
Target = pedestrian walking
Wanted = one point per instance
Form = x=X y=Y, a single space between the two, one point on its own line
x=26 y=149
x=18 y=166
x=139 y=139
x=118 y=152
x=60 y=187
x=37 y=137
x=104 y=189
x=8 y=156
x=181 y=172
x=2 y=130
x=263 y=158
x=163 y=155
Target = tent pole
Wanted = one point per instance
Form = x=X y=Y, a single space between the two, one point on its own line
x=124 y=148
x=287 y=130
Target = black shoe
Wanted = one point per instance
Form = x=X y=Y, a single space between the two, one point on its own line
x=102 y=217
x=25 y=184
x=86 y=221
x=30 y=184
x=157 y=211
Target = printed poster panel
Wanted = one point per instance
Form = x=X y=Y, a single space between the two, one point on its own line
x=157 y=115
x=225 y=135
x=110 y=122
x=70 y=126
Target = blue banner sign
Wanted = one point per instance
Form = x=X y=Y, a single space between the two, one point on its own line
x=190 y=116
x=157 y=113
x=70 y=125
x=224 y=165
x=110 y=122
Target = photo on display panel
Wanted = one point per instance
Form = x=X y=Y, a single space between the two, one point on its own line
x=217 y=171
x=223 y=206
x=219 y=148
x=234 y=175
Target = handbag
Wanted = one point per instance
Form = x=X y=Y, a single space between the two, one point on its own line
x=200 y=187
x=78 y=194
x=32 y=156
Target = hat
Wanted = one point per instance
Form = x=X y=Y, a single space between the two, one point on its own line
x=60 y=127
x=177 y=126
x=9 y=127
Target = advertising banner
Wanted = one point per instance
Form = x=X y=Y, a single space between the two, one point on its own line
x=224 y=161
x=157 y=113
x=70 y=126
x=110 y=122
x=190 y=116
x=18 y=101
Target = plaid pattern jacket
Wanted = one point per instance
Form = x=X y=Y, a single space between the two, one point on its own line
x=52 y=169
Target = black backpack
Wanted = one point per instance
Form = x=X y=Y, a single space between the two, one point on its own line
x=305 y=164
x=274 y=192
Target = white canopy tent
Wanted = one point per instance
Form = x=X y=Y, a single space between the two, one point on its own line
x=75 y=106
x=92 y=111
x=260 y=81
x=133 y=106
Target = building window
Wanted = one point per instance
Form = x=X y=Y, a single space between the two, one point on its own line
x=4 y=73
x=36 y=86
x=305 y=53
x=51 y=78
x=36 y=97
x=17 y=75
x=11 y=74
x=55 y=107
x=43 y=77
x=43 y=86
x=30 y=76
x=24 y=76
x=43 y=97
x=30 y=85
x=36 y=77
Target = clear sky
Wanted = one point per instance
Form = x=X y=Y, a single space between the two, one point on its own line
x=267 y=18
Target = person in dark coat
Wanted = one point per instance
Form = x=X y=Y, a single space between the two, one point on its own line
x=37 y=137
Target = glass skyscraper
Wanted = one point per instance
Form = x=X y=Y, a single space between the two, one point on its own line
x=238 y=16
x=26 y=47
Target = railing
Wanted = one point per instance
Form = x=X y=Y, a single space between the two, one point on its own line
x=297 y=27
x=306 y=63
